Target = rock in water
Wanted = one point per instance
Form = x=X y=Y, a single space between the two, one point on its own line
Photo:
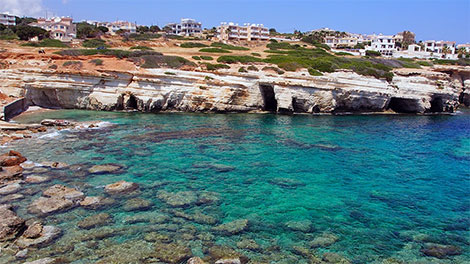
x=10 y=188
x=178 y=199
x=325 y=240
x=44 y=206
x=42 y=261
x=95 y=221
x=105 y=168
x=33 y=231
x=53 y=122
x=302 y=226
x=10 y=173
x=440 y=251
x=137 y=204
x=10 y=223
x=61 y=191
x=47 y=235
x=232 y=228
x=172 y=253
x=195 y=260
x=121 y=187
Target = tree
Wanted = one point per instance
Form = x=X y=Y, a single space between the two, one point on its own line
x=154 y=29
x=2 y=27
x=143 y=29
x=272 y=31
x=408 y=39
x=167 y=29
x=85 y=30
x=28 y=32
x=103 y=29
x=24 y=21
x=445 y=50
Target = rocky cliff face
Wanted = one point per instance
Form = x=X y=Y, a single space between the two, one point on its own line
x=411 y=91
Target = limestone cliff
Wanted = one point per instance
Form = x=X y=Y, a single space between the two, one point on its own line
x=439 y=89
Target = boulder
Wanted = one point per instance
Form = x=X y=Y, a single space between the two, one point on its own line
x=43 y=261
x=95 y=221
x=94 y=202
x=10 y=173
x=10 y=223
x=34 y=179
x=11 y=158
x=10 y=188
x=195 y=260
x=105 y=168
x=33 y=231
x=61 y=191
x=21 y=254
x=172 y=253
x=47 y=235
x=137 y=204
x=121 y=187
x=54 y=122
x=44 y=206
x=440 y=251
x=229 y=261
x=54 y=164
x=232 y=228
x=178 y=199
x=223 y=253
x=302 y=226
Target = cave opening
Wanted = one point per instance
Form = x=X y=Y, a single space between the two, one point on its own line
x=403 y=105
x=437 y=105
x=269 y=97
x=131 y=102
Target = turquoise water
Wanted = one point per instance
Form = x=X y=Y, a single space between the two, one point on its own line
x=383 y=185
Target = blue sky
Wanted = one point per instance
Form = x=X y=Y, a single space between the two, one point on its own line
x=429 y=19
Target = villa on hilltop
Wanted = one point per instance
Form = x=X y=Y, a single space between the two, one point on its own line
x=114 y=27
x=7 y=20
x=61 y=28
x=249 y=32
x=187 y=27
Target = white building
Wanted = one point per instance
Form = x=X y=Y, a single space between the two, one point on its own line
x=187 y=27
x=385 y=44
x=341 y=42
x=114 y=27
x=7 y=20
x=439 y=47
x=429 y=50
x=249 y=32
x=466 y=47
x=61 y=28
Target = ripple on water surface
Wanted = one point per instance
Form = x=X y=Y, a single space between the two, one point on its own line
x=275 y=189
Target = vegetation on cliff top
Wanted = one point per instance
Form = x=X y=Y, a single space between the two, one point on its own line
x=53 y=43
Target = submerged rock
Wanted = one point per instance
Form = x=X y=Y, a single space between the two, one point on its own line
x=208 y=198
x=232 y=228
x=195 y=260
x=10 y=188
x=48 y=234
x=94 y=221
x=286 y=183
x=248 y=244
x=43 y=261
x=440 y=251
x=325 y=240
x=172 y=253
x=54 y=122
x=10 y=223
x=223 y=253
x=105 y=168
x=95 y=202
x=44 y=206
x=137 y=204
x=34 y=179
x=34 y=230
x=65 y=192
x=121 y=187
x=178 y=199
x=302 y=226
x=10 y=173
x=331 y=257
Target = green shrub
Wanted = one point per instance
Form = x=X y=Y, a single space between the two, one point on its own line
x=242 y=69
x=10 y=36
x=270 y=68
x=227 y=46
x=289 y=65
x=110 y=52
x=196 y=57
x=207 y=78
x=342 y=53
x=94 y=43
x=193 y=45
x=235 y=59
x=72 y=63
x=170 y=73
x=214 y=50
x=206 y=57
x=141 y=48
x=97 y=62
x=252 y=68
x=25 y=32
x=424 y=63
x=52 y=43
x=177 y=37
x=214 y=67
x=144 y=36
x=160 y=61
x=373 y=53
x=314 y=72
x=256 y=54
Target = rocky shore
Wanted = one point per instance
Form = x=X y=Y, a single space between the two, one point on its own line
x=440 y=89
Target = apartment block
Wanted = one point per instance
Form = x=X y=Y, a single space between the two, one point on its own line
x=249 y=32
x=384 y=44
x=7 y=20
x=61 y=28
x=114 y=27
x=439 y=47
x=186 y=27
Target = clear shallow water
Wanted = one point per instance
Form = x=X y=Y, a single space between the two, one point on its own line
x=383 y=185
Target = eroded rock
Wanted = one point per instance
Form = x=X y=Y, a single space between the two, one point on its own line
x=121 y=187
x=11 y=158
x=440 y=251
x=172 y=253
x=137 y=204
x=178 y=199
x=10 y=223
x=95 y=221
x=232 y=228
x=325 y=240
x=104 y=168
x=48 y=235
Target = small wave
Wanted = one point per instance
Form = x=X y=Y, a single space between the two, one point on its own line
x=51 y=135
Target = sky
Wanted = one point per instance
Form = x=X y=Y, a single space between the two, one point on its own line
x=429 y=19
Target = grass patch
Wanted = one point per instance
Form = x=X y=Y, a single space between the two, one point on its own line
x=144 y=36
x=72 y=63
x=97 y=62
x=50 y=43
x=227 y=46
x=207 y=58
x=208 y=78
x=141 y=48
x=373 y=53
x=235 y=59
x=94 y=43
x=270 y=68
x=161 y=61
x=424 y=63
x=8 y=37
x=342 y=53
x=460 y=62
x=214 y=50
x=255 y=54
x=252 y=68
x=121 y=54
x=196 y=57
x=170 y=73
x=193 y=45
x=242 y=69
x=314 y=72
x=214 y=67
